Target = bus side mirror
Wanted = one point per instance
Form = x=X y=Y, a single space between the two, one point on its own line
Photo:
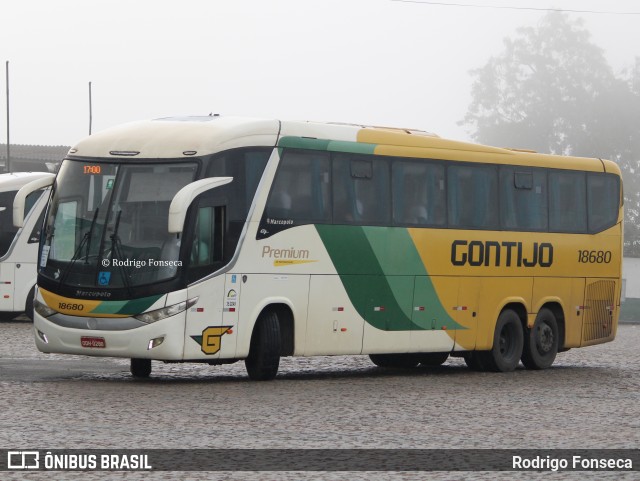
x=182 y=200
x=19 y=200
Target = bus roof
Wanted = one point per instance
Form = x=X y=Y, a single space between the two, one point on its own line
x=15 y=180
x=177 y=137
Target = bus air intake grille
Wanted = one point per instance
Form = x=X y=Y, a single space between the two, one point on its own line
x=598 y=321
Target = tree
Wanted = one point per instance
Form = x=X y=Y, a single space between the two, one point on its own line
x=552 y=90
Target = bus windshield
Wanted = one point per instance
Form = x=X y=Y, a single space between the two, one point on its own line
x=107 y=224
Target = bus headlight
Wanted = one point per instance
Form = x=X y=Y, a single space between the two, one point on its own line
x=43 y=309
x=158 y=314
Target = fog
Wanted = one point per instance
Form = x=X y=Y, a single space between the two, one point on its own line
x=380 y=62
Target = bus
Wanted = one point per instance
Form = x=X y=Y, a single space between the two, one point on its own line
x=218 y=239
x=19 y=245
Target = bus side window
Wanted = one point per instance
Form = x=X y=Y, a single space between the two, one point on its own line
x=208 y=240
x=301 y=188
x=361 y=190
x=472 y=196
x=567 y=202
x=418 y=193
x=603 y=199
x=523 y=199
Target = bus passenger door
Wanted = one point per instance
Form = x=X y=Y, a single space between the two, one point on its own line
x=211 y=322
x=206 y=330
x=432 y=315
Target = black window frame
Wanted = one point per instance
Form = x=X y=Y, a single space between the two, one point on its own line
x=519 y=180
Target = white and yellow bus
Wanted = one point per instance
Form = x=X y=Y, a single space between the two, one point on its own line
x=222 y=239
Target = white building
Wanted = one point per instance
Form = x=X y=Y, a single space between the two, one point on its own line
x=631 y=277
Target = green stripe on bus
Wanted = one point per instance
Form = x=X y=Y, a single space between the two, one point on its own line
x=327 y=145
x=136 y=306
x=395 y=251
x=109 y=307
x=397 y=255
x=133 y=307
x=381 y=271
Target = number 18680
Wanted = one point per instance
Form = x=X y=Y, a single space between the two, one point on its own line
x=594 y=257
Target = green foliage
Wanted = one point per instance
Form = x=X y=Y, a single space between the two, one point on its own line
x=552 y=90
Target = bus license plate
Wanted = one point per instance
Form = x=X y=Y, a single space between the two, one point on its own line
x=93 y=342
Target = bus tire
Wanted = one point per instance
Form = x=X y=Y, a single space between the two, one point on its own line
x=508 y=342
x=28 y=305
x=140 y=368
x=399 y=361
x=264 y=353
x=473 y=360
x=541 y=341
x=432 y=359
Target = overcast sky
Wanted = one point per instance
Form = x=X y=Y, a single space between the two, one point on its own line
x=380 y=62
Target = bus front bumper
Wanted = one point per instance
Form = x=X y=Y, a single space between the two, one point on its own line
x=162 y=340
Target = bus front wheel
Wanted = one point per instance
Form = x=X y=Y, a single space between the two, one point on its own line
x=541 y=341
x=141 y=368
x=508 y=342
x=28 y=307
x=264 y=352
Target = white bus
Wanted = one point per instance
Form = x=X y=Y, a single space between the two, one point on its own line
x=222 y=239
x=19 y=246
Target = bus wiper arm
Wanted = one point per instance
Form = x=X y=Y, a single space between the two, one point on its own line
x=89 y=234
x=116 y=247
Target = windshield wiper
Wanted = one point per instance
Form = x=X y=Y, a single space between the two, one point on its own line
x=116 y=247
x=86 y=239
x=89 y=234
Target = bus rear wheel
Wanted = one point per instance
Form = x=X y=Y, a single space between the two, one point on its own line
x=400 y=361
x=508 y=342
x=541 y=341
x=141 y=368
x=264 y=352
